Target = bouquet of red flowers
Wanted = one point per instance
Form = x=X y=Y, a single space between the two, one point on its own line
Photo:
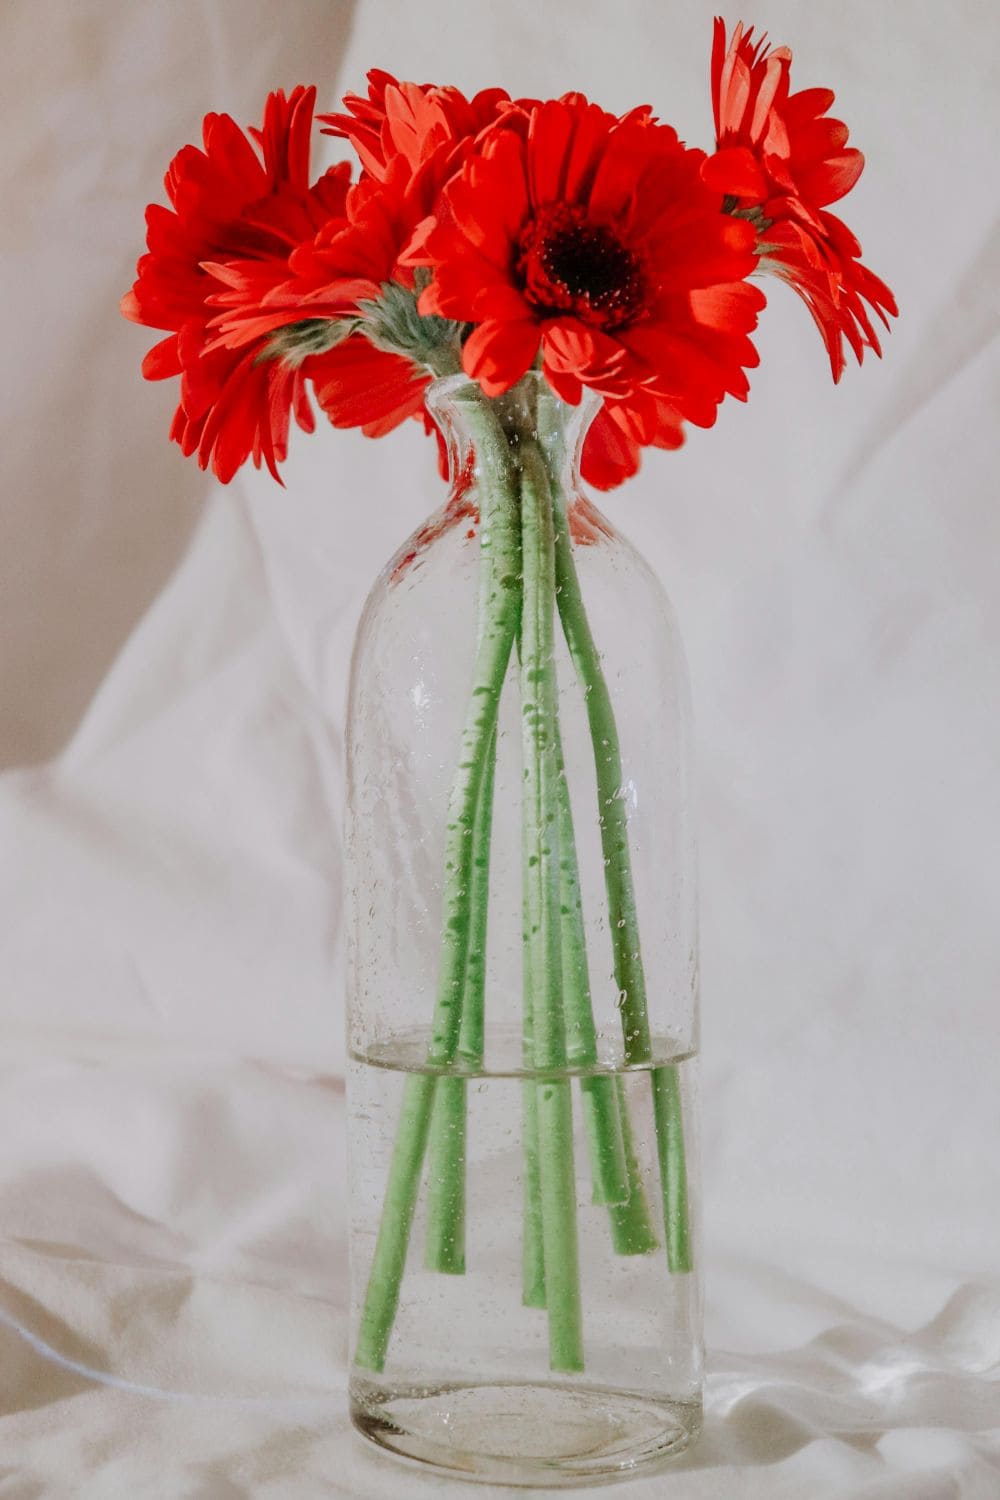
x=534 y=251
x=496 y=235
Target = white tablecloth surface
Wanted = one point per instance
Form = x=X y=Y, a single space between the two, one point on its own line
x=172 y=666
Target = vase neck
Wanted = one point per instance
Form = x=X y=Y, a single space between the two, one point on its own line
x=530 y=412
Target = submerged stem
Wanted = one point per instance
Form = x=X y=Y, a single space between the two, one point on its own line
x=632 y=1231
x=382 y=1296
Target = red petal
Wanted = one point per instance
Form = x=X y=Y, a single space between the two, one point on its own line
x=585 y=354
x=163 y=360
x=550 y=132
x=498 y=354
x=807 y=104
x=610 y=456
x=832 y=178
x=735 y=170
x=358 y=385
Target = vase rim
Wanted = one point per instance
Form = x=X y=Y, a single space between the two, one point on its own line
x=447 y=386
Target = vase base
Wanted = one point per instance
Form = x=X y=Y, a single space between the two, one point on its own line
x=524 y=1434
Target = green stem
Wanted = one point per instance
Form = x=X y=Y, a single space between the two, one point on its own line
x=542 y=899
x=669 y=1121
x=445 y=1246
x=632 y=1231
x=471 y=1035
x=532 y=1248
x=600 y=1105
x=532 y=1251
x=615 y=1171
x=499 y=532
x=382 y=1296
x=622 y=913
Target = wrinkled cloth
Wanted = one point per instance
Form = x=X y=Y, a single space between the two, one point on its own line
x=173 y=663
x=172 y=1316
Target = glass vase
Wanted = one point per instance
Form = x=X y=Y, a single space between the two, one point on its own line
x=523 y=977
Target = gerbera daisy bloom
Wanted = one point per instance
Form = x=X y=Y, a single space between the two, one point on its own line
x=345 y=278
x=780 y=160
x=231 y=201
x=411 y=138
x=582 y=238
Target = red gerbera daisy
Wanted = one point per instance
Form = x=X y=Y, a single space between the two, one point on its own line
x=594 y=242
x=780 y=161
x=340 y=277
x=231 y=202
x=411 y=138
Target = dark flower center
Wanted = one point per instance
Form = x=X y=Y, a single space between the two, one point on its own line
x=567 y=264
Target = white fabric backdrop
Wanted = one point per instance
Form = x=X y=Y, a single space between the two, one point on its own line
x=171 y=680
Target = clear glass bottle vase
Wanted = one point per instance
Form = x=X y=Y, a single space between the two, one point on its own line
x=523 y=977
